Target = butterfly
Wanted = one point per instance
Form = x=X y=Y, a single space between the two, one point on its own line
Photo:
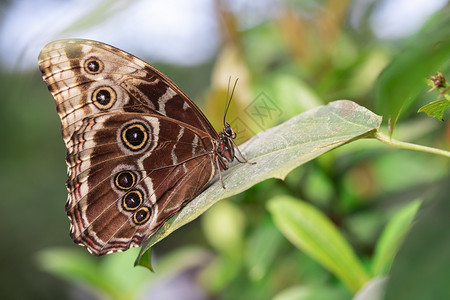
x=138 y=149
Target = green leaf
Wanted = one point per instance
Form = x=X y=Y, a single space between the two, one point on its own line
x=74 y=266
x=278 y=151
x=403 y=79
x=421 y=268
x=262 y=248
x=145 y=260
x=224 y=228
x=312 y=232
x=110 y=276
x=436 y=108
x=391 y=238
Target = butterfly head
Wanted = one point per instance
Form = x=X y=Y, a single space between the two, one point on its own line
x=228 y=131
x=225 y=146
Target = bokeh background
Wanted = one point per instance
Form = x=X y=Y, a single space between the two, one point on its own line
x=289 y=56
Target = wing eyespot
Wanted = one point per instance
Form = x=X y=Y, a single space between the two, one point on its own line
x=93 y=66
x=125 y=180
x=132 y=200
x=141 y=215
x=104 y=97
x=134 y=136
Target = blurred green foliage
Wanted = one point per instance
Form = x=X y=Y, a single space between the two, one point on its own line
x=262 y=243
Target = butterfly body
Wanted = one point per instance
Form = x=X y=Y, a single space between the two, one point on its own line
x=138 y=149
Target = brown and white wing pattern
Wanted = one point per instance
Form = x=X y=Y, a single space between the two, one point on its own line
x=128 y=173
x=138 y=149
x=88 y=77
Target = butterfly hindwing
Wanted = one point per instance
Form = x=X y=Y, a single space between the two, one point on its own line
x=116 y=178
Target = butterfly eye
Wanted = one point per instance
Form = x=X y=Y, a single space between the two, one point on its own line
x=132 y=200
x=104 y=97
x=125 y=180
x=229 y=131
x=135 y=136
x=93 y=66
x=141 y=215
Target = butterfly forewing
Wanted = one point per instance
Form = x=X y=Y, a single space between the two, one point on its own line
x=138 y=149
x=89 y=77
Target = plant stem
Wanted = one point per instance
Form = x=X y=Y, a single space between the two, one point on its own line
x=403 y=145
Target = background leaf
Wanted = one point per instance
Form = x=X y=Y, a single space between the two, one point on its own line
x=436 y=108
x=312 y=232
x=262 y=247
x=113 y=277
x=421 y=268
x=391 y=238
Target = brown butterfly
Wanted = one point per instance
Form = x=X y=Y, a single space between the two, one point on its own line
x=138 y=149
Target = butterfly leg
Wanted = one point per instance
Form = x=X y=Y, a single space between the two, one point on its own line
x=245 y=160
x=220 y=165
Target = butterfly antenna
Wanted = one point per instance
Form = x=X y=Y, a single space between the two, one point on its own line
x=228 y=100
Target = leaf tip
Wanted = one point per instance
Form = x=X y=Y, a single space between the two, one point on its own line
x=144 y=260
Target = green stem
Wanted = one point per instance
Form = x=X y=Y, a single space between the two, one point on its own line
x=403 y=145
